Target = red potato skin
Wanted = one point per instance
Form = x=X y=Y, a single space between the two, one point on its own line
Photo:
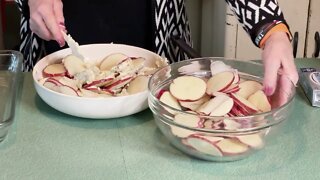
x=55 y=81
x=218 y=125
x=223 y=89
x=72 y=89
x=188 y=100
x=97 y=82
x=93 y=88
x=238 y=111
x=245 y=123
x=201 y=123
x=45 y=74
x=236 y=78
x=200 y=137
x=54 y=75
x=245 y=110
x=198 y=101
x=120 y=61
x=124 y=60
x=58 y=83
x=160 y=93
x=47 y=84
x=233 y=90
x=243 y=106
x=214 y=124
x=69 y=75
x=108 y=91
x=118 y=82
x=75 y=91
x=136 y=57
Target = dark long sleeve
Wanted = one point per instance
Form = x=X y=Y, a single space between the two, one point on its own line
x=255 y=14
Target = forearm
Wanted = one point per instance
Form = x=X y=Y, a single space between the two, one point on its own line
x=257 y=15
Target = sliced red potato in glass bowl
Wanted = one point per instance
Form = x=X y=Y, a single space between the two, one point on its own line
x=216 y=109
x=111 y=82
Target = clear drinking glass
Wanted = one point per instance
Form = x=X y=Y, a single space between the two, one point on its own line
x=10 y=70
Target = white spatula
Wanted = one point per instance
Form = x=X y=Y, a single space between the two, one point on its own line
x=74 y=46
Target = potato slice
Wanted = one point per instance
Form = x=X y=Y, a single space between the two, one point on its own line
x=219 y=82
x=53 y=70
x=73 y=65
x=111 y=61
x=138 y=84
x=188 y=88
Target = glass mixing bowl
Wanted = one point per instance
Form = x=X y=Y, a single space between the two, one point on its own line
x=209 y=139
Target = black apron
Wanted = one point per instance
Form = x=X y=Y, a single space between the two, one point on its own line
x=149 y=24
x=105 y=21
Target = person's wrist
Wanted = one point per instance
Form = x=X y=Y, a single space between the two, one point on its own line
x=278 y=31
x=268 y=29
x=277 y=36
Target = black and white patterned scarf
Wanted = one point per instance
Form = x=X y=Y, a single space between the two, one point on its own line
x=171 y=20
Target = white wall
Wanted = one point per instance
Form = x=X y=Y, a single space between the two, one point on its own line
x=194 y=15
x=207 y=21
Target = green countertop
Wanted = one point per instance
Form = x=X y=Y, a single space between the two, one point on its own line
x=46 y=144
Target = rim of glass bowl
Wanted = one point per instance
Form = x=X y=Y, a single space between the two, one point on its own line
x=207 y=130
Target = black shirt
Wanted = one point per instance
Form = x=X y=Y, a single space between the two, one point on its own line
x=105 y=21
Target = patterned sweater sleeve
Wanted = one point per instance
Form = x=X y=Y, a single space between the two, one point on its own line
x=23 y=7
x=256 y=14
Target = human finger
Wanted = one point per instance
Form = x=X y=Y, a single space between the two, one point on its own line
x=271 y=67
x=58 y=11
x=290 y=70
x=37 y=25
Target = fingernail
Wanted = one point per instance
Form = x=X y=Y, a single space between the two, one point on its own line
x=62 y=27
x=61 y=44
x=268 y=90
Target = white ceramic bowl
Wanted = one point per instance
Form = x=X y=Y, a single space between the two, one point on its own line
x=100 y=107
